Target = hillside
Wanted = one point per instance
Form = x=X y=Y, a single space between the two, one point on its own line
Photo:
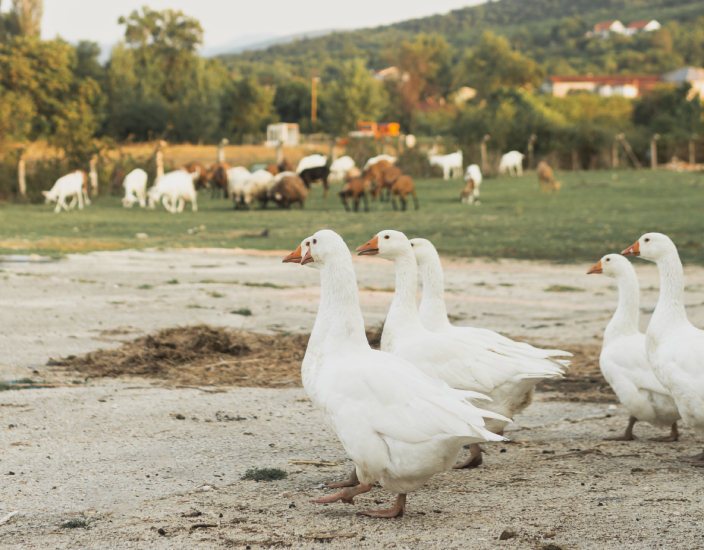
x=549 y=31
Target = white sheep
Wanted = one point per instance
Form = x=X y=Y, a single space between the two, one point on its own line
x=174 y=188
x=372 y=161
x=237 y=178
x=135 y=185
x=451 y=164
x=340 y=168
x=71 y=185
x=512 y=160
x=257 y=187
x=311 y=161
x=473 y=179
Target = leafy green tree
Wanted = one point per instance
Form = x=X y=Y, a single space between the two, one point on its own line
x=673 y=112
x=28 y=16
x=166 y=31
x=247 y=108
x=292 y=102
x=492 y=64
x=354 y=96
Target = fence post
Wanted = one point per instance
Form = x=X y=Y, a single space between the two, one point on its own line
x=482 y=149
x=21 y=174
x=532 y=139
x=159 y=164
x=614 y=154
x=221 y=149
x=654 y=152
x=692 y=155
x=575 y=160
x=93 y=175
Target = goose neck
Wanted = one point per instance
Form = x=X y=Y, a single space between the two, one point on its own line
x=433 y=310
x=625 y=319
x=670 y=306
x=404 y=311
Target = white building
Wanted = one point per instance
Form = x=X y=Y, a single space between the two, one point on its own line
x=688 y=74
x=605 y=28
x=642 y=26
x=282 y=133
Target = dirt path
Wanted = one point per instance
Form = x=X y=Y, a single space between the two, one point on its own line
x=114 y=453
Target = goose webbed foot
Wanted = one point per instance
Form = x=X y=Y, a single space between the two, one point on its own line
x=346 y=495
x=351 y=482
x=674 y=435
x=397 y=511
x=696 y=460
x=474 y=460
x=628 y=434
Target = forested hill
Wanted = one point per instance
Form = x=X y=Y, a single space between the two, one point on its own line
x=549 y=31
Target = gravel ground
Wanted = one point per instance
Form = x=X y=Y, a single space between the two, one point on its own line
x=114 y=454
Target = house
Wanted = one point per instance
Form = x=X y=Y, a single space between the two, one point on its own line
x=390 y=73
x=605 y=28
x=642 y=26
x=692 y=75
x=605 y=85
x=282 y=133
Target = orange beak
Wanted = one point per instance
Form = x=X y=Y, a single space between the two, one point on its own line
x=596 y=269
x=294 y=257
x=633 y=250
x=369 y=249
x=307 y=258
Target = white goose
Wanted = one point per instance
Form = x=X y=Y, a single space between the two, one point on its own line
x=399 y=426
x=675 y=347
x=624 y=361
x=500 y=369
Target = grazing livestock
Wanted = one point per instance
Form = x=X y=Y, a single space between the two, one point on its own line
x=288 y=189
x=355 y=187
x=311 y=161
x=237 y=178
x=202 y=180
x=321 y=174
x=174 y=189
x=374 y=160
x=273 y=169
x=257 y=188
x=135 y=186
x=512 y=160
x=217 y=177
x=373 y=173
x=547 y=179
x=285 y=165
x=402 y=187
x=473 y=179
x=340 y=168
x=74 y=185
x=386 y=180
x=451 y=164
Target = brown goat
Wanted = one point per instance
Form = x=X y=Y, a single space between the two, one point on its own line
x=202 y=180
x=546 y=178
x=285 y=165
x=289 y=190
x=387 y=178
x=355 y=188
x=217 y=178
x=467 y=194
x=374 y=172
x=402 y=187
x=272 y=168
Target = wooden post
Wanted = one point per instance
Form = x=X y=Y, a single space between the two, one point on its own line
x=21 y=174
x=221 y=150
x=159 y=164
x=482 y=149
x=692 y=155
x=530 y=151
x=314 y=100
x=654 y=152
x=279 y=152
x=93 y=176
x=575 y=160
x=614 y=154
x=627 y=146
x=333 y=154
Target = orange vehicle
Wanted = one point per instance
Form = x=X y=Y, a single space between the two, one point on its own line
x=377 y=130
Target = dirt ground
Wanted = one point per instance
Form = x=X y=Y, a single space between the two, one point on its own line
x=147 y=464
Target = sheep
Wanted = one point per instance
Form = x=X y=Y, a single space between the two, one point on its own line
x=237 y=178
x=288 y=188
x=451 y=164
x=311 y=161
x=202 y=180
x=355 y=187
x=285 y=165
x=135 y=186
x=340 y=167
x=321 y=174
x=546 y=178
x=175 y=188
x=512 y=159
x=217 y=178
x=73 y=185
x=386 y=180
x=257 y=188
x=473 y=179
x=372 y=161
x=402 y=187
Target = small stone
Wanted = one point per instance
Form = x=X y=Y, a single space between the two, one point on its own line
x=10 y=473
x=506 y=534
x=292 y=505
x=12 y=426
x=285 y=494
x=161 y=531
x=502 y=451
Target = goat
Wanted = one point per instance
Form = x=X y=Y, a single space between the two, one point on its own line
x=372 y=161
x=135 y=186
x=451 y=164
x=473 y=179
x=373 y=173
x=175 y=188
x=237 y=179
x=512 y=159
x=311 y=161
x=273 y=169
x=217 y=178
x=257 y=188
x=321 y=174
x=288 y=188
x=73 y=185
x=387 y=178
x=355 y=187
x=402 y=187
x=546 y=178
x=340 y=168
x=202 y=180
x=285 y=165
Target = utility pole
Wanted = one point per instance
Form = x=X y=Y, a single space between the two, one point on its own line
x=21 y=174
x=482 y=149
x=221 y=150
x=614 y=154
x=654 y=152
x=531 y=141
x=314 y=100
x=94 y=175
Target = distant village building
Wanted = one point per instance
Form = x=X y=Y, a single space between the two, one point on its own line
x=642 y=26
x=390 y=73
x=692 y=75
x=464 y=94
x=605 y=28
x=283 y=132
x=605 y=85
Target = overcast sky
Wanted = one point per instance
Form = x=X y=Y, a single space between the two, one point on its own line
x=225 y=20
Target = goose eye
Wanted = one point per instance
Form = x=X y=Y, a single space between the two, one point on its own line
x=647 y=240
x=412 y=244
x=308 y=243
x=608 y=259
x=386 y=236
x=315 y=241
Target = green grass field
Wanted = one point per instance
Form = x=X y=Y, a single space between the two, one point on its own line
x=596 y=212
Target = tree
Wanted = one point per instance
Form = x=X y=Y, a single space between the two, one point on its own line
x=27 y=17
x=247 y=108
x=292 y=102
x=354 y=96
x=492 y=64
x=166 y=30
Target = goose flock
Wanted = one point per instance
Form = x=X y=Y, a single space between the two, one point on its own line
x=403 y=414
